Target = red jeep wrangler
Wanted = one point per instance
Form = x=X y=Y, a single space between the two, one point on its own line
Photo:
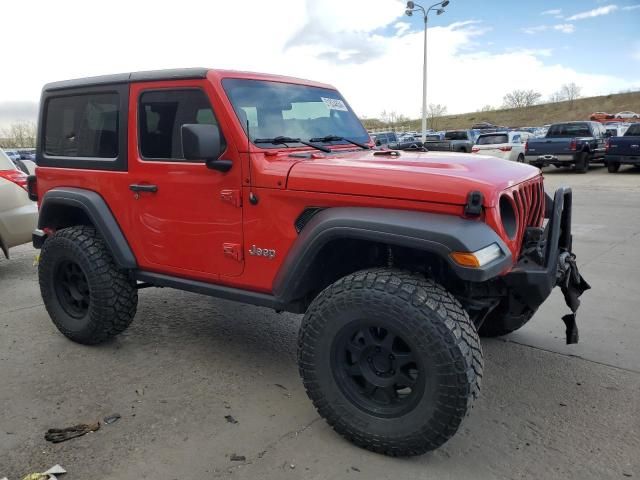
x=267 y=190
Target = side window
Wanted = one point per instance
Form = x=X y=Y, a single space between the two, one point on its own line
x=82 y=126
x=161 y=114
x=516 y=139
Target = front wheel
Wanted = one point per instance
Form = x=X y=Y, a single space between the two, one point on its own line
x=390 y=360
x=88 y=299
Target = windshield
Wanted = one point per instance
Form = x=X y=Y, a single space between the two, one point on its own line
x=275 y=109
x=492 y=139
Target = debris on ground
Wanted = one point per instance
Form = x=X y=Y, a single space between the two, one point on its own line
x=112 y=418
x=57 y=435
x=237 y=458
x=230 y=419
x=48 y=475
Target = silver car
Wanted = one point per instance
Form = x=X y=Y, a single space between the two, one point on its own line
x=18 y=214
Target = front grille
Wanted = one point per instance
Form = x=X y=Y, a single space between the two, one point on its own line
x=529 y=202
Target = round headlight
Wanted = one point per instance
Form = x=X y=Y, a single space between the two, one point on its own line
x=508 y=216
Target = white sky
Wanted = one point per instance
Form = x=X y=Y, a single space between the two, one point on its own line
x=327 y=40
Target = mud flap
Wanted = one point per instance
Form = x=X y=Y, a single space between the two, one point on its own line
x=572 y=285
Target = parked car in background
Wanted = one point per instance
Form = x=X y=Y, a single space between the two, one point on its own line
x=482 y=126
x=454 y=141
x=568 y=143
x=600 y=116
x=385 y=138
x=26 y=166
x=18 y=214
x=505 y=145
x=627 y=115
x=623 y=150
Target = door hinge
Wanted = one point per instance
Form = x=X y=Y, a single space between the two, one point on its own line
x=233 y=250
x=231 y=196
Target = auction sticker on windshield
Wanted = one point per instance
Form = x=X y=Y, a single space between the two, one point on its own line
x=334 y=104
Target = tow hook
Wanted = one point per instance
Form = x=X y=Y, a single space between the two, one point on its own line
x=572 y=285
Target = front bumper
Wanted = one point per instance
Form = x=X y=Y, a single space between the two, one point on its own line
x=547 y=261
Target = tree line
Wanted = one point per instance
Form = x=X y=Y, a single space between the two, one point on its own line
x=18 y=135
x=519 y=98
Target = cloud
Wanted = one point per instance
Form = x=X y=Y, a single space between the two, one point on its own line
x=376 y=64
x=554 y=11
x=631 y=7
x=534 y=30
x=12 y=112
x=596 y=12
x=565 y=27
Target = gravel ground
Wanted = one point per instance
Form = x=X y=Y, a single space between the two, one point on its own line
x=547 y=410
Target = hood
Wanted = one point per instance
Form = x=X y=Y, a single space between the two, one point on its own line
x=441 y=177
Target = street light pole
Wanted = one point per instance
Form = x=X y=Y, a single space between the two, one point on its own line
x=412 y=7
x=423 y=138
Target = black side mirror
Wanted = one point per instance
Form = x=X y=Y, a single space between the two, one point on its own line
x=204 y=142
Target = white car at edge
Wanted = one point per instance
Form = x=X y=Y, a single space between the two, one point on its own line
x=628 y=115
x=505 y=145
x=18 y=214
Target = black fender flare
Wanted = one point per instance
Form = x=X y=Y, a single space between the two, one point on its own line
x=435 y=233
x=96 y=209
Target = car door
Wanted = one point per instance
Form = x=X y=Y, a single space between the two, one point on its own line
x=187 y=218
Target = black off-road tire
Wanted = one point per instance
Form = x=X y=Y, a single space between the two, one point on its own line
x=108 y=297
x=582 y=162
x=613 y=167
x=434 y=326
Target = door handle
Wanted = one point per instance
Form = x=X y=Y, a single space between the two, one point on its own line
x=143 y=188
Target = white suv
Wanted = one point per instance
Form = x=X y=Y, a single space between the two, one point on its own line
x=18 y=214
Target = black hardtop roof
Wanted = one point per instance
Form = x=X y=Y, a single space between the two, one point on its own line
x=119 y=78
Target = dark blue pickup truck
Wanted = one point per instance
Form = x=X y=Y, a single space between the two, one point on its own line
x=623 y=150
x=568 y=143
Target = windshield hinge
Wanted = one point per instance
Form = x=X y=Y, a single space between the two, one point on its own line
x=474 y=203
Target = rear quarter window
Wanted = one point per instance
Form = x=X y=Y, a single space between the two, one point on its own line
x=82 y=126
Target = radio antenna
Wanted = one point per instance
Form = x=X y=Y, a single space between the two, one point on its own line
x=253 y=199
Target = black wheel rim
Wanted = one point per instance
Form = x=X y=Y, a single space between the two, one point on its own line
x=72 y=289
x=377 y=369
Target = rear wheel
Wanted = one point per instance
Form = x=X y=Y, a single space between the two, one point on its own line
x=88 y=299
x=613 y=167
x=520 y=158
x=390 y=360
x=582 y=162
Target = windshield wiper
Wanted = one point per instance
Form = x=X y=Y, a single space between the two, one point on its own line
x=336 y=138
x=280 y=140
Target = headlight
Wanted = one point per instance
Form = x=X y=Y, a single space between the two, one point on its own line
x=479 y=258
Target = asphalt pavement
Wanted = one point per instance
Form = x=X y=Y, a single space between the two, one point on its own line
x=201 y=382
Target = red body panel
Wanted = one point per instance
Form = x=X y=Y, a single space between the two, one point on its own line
x=195 y=227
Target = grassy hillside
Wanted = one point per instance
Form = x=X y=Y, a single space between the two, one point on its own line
x=533 y=116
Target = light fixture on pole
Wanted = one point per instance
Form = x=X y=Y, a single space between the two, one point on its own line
x=439 y=8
